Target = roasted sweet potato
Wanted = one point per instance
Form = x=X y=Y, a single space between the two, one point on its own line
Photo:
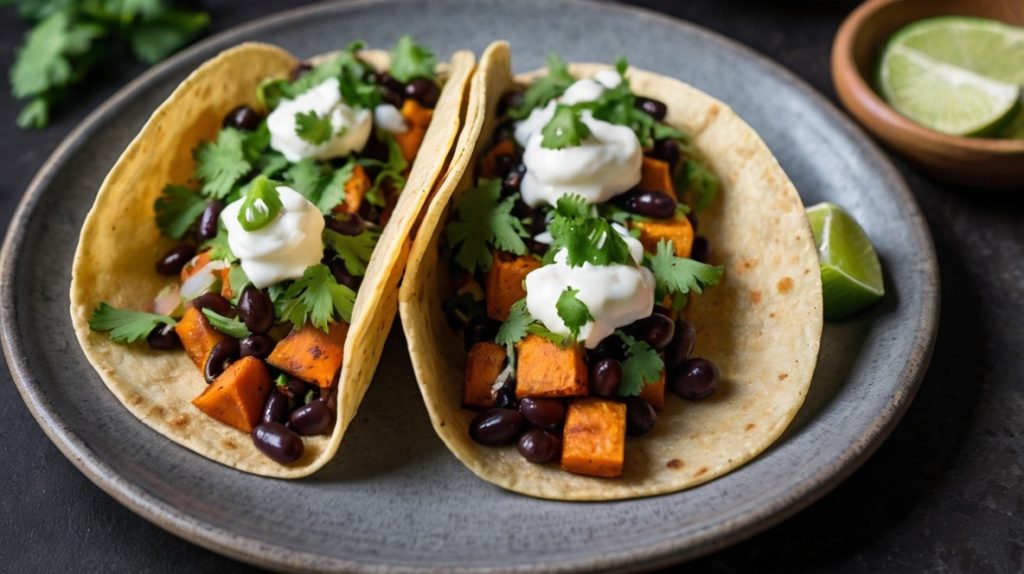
x=489 y=162
x=355 y=190
x=197 y=336
x=417 y=118
x=594 y=442
x=237 y=396
x=544 y=369
x=677 y=230
x=654 y=393
x=309 y=354
x=656 y=174
x=485 y=362
x=505 y=282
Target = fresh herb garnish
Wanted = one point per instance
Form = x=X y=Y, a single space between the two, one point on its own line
x=126 y=326
x=679 y=275
x=545 y=88
x=566 y=128
x=515 y=327
x=391 y=173
x=332 y=192
x=260 y=205
x=354 y=250
x=587 y=238
x=177 y=209
x=238 y=281
x=218 y=247
x=221 y=164
x=700 y=184
x=316 y=298
x=573 y=312
x=227 y=325
x=320 y=183
x=643 y=365
x=482 y=221
x=313 y=128
x=410 y=60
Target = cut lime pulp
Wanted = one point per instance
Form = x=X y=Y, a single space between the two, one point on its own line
x=851 y=276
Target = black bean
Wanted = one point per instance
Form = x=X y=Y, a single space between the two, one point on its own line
x=277 y=442
x=392 y=90
x=667 y=150
x=496 y=426
x=346 y=223
x=300 y=70
x=259 y=346
x=506 y=397
x=510 y=100
x=256 y=309
x=605 y=377
x=655 y=329
x=172 y=261
x=424 y=91
x=275 y=410
x=548 y=414
x=163 y=338
x=663 y=310
x=503 y=164
x=611 y=347
x=539 y=446
x=521 y=210
x=341 y=274
x=648 y=202
x=513 y=180
x=654 y=108
x=209 y=220
x=695 y=379
x=222 y=355
x=243 y=118
x=701 y=249
x=505 y=131
x=640 y=416
x=214 y=302
x=682 y=344
x=311 y=419
x=480 y=328
x=295 y=390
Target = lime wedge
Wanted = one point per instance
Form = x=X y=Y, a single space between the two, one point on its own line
x=851 y=277
x=1014 y=129
x=954 y=74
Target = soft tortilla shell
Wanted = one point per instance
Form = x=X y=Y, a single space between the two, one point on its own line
x=120 y=243
x=761 y=325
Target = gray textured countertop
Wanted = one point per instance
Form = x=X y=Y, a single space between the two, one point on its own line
x=944 y=493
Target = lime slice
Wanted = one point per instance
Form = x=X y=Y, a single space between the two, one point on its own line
x=1015 y=128
x=954 y=74
x=851 y=277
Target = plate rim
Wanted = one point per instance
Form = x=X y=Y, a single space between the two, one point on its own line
x=262 y=553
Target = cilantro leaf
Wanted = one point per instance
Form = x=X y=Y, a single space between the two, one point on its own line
x=317 y=298
x=221 y=164
x=332 y=193
x=47 y=59
x=313 y=128
x=482 y=220
x=590 y=239
x=566 y=128
x=410 y=60
x=392 y=172
x=218 y=247
x=678 y=275
x=260 y=204
x=271 y=164
x=643 y=366
x=35 y=114
x=545 y=88
x=573 y=312
x=238 y=281
x=515 y=327
x=177 y=209
x=572 y=205
x=164 y=31
x=270 y=92
x=351 y=73
x=354 y=250
x=126 y=326
x=227 y=325
x=305 y=177
x=700 y=184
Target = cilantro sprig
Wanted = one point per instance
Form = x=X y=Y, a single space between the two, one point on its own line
x=390 y=174
x=354 y=250
x=483 y=221
x=227 y=325
x=221 y=164
x=679 y=275
x=313 y=128
x=126 y=326
x=573 y=312
x=585 y=236
x=317 y=298
x=177 y=209
x=566 y=128
x=350 y=71
x=410 y=60
x=545 y=88
x=642 y=366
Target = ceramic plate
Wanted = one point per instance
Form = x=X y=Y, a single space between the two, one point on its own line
x=394 y=498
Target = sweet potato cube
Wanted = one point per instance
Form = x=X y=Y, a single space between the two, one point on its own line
x=417 y=118
x=197 y=336
x=594 y=442
x=654 y=393
x=656 y=174
x=505 y=282
x=489 y=162
x=355 y=190
x=677 y=230
x=544 y=369
x=486 y=361
x=309 y=354
x=237 y=396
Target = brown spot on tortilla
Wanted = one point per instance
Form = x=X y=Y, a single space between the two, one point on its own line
x=785 y=285
x=134 y=399
x=675 y=463
x=755 y=297
x=783 y=376
x=180 y=422
x=746 y=265
x=749 y=427
x=772 y=315
x=316 y=352
x=157 y=411
x=230 y=445
x=700 y=471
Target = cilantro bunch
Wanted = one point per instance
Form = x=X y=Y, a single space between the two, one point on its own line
x=72 y=37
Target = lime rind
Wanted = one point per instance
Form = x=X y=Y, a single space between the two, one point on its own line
x=851 y=275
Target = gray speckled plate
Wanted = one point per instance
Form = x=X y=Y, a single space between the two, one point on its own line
x=394 y=498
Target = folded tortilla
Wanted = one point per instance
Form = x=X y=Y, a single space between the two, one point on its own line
x=120 y=243
x=761 y=325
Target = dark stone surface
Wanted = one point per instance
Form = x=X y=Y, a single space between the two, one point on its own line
x=944 y=493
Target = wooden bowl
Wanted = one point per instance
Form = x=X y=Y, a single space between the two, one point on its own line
x=974 y=162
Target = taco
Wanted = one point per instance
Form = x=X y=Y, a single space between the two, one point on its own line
x=575 y=332
x=238 y=272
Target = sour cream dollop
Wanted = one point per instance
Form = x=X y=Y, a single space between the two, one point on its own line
x=352 y=126
x=388 y=117
x=616 y=295
x=281 y=249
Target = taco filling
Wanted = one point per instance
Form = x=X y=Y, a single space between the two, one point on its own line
x=576 y=255
x=275 y=231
